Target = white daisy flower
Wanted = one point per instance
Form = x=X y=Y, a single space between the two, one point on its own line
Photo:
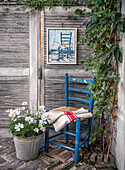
x=8 y=110
x=12 y=113
x=42 y=128
x=18 y=110
x=36 y=130
x=37 y=113
x=41 y=109
x=29 y=119
x=23 y=108
x=44 y=116
x=18 y=127
x=41 y=122
x=24 y=103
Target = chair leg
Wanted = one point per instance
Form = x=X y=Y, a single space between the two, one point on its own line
x=89 y=130
x=46 y=139
x=66 y=136
x=77 y=140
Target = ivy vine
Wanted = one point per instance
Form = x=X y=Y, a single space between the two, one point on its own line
x=102 y=35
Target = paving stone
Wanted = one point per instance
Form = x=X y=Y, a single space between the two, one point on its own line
x=89 y=167
x=82 y=167
x=16 y=165
x=103 y=165
x=100 y=157
x=93 y=157
x=63 y=165
x=2 y=160
x=33 y=165
x=87 y=156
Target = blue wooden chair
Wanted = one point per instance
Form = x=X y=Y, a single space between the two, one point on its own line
x=65 y=48
x=87 y=126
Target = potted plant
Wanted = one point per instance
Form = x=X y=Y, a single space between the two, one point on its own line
x=28 y=129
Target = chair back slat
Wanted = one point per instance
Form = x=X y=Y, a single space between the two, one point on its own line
x=82 y=81
x=79 y=90
x=80 y=100
x=77 y=80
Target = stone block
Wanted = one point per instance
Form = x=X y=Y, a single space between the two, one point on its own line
x=93 y=157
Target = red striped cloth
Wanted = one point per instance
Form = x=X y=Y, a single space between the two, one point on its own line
x=70 y=115
x=60 y=119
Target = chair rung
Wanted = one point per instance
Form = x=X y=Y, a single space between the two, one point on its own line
x=61 y=131
x=68 y=133
x=55 y=135
x=83 y=142
x=77 y=99
x=83 y=130
x=58 y=144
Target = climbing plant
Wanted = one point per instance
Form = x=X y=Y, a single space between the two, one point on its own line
x=102 y=35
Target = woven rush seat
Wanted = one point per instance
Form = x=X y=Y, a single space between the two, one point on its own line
x=64 y=108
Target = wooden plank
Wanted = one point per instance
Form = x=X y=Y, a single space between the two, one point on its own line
x=14 y=61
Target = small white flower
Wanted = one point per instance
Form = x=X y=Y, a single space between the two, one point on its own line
x=40 y=122
x=8 y=110
x=41 y=109
x=24 y=103
x=44 y=116
x=37 y=113
x=45 y=122
x=29 y=119
x=42 y=128
x=35 y=121
x=23 y=108
x=12 y=113
x=36 y=130
x=17 y=111
x=18 y=127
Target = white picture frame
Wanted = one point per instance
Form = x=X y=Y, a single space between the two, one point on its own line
x=61 y=45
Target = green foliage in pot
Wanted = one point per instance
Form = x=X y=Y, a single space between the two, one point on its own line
x=27 y=123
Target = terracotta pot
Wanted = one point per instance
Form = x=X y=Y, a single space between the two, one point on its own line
x=27 y=148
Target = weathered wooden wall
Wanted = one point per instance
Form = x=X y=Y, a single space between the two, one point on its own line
x=14 y=60
x=53 y=83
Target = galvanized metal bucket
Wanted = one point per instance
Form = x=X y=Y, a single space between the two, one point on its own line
x=27 y=148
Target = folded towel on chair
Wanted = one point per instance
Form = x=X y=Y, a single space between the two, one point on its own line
x=60 y=119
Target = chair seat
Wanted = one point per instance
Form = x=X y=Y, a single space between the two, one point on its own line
x=64 y=108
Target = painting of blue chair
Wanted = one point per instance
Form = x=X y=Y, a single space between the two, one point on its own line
x=81 y=126
x=65 y=47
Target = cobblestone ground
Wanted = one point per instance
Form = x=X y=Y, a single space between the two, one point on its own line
x=57 y=158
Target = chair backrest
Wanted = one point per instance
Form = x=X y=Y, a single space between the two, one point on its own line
x=65 y=38
x=81 y=81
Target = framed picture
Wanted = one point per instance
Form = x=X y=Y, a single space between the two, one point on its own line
x=61 y=45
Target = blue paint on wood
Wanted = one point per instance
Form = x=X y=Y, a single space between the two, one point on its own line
x=66 y=89
x=77 y=140
x=80 y=100
x=79 y=90
x=77 y=80
x=63 y=146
